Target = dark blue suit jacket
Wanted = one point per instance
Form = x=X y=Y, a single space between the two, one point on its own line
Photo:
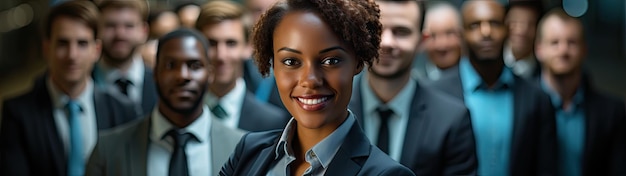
x=533 y=149
x=29 y=140
x=439 y=139
x=255 y=154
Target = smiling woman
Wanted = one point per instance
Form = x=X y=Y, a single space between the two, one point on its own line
x=315 y=49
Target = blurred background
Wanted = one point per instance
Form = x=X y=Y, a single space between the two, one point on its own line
x=21 y=59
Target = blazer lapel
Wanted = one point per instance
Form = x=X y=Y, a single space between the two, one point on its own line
x=351 y=155
x=149 y=96
x=102 y=109
x=138 y=149
x=223 y=142
x=520 y=105
x=592 y=124
x=48 y=125
x=415 y=123
x=264 y=159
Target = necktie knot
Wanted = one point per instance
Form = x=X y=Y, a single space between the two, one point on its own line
x=219 y=111
x=72 y=106
x=180 y=138
x=123 y=84
x=384 y=112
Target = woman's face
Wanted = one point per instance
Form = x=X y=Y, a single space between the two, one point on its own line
x=313 y=70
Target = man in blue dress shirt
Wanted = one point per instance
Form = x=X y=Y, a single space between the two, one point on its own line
x=590 y=125
x=512 y=120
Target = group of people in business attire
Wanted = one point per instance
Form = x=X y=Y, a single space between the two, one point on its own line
x=308 y=87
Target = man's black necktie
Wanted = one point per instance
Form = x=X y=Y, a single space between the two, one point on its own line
x=178 y=162
x=383 y=131
x=122 y=85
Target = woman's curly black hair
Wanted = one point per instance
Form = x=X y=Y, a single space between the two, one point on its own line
x=355 y=22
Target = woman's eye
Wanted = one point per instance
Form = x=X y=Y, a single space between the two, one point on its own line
x=290 y=62
x=331 y=61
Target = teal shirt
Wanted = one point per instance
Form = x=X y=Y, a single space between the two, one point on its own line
x=491 y=111
x=570 y=131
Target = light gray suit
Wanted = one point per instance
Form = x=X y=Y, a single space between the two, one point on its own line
x=123 y=151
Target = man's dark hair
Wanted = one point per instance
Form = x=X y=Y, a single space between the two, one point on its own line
x=421 y=7
x=84 y=11
x=180 y=33
x=535 y=5
x=179 y=6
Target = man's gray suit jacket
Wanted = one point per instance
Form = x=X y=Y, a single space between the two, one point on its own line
x=124 y=150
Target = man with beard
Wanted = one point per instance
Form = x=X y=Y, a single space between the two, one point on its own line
x=426 y=131
x=180 y=136
x=513 y=121
x=590 y=124
x=121 y=68
x=52 y=129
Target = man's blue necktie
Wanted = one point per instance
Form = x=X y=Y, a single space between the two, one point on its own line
x=76 y=163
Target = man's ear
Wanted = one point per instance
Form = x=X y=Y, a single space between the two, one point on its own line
x=247 y=51
x=539 y=52
x=98 y=50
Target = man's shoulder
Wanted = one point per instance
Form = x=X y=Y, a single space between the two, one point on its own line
x=441 y=103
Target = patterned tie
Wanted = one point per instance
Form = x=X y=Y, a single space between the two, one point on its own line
x=178 y=162
x=219 y=111
x=383 y=131
x=122 y=85
x=76 y=163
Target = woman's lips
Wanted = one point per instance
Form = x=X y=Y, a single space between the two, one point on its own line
x=313 y=103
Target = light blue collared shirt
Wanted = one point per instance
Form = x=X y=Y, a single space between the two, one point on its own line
x=570 y=131
x=319 y=157
x=491 y=111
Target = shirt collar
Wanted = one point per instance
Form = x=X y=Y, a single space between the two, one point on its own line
x=60 y=99
x=557 y=102
x=325 y=150
x=200 y=128
x=471 y=81
x=399 y=104
x=135 y=72
x=232 y=99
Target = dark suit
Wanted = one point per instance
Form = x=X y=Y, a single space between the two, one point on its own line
x=259 y=116
x=255 y=154
x=439 y=139
x=29 y=141
x=149 y=92
x=533 y=146
x=605 y=136
x=605 y=141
